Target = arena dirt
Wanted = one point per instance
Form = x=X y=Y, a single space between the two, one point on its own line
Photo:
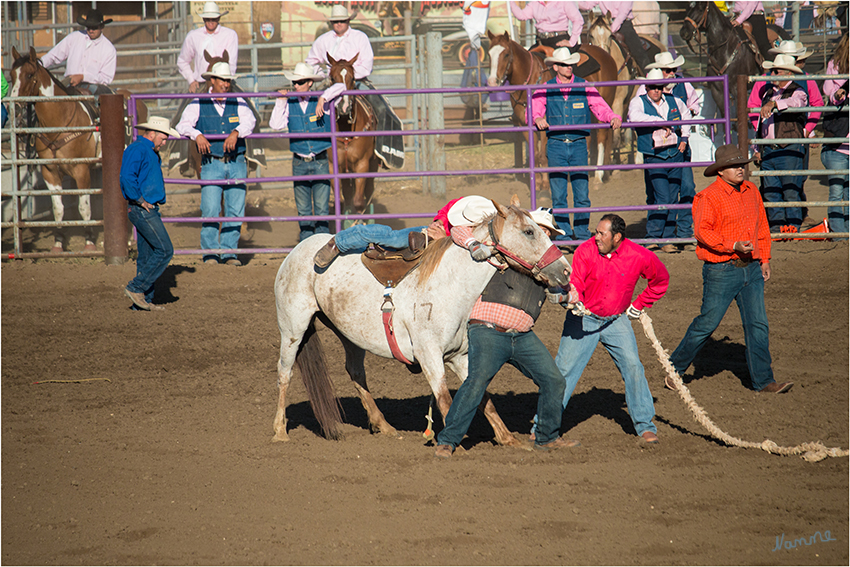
x=162 y=452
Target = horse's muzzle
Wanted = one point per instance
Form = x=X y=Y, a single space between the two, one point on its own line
x=553 y=269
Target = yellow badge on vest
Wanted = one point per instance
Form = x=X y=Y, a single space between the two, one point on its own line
x=233 y=119
x=578 y=105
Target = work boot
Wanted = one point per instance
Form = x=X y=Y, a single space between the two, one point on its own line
x=417 y=241
x=326 y=254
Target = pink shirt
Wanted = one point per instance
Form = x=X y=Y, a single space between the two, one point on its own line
x=351 y=43
x=597 y=104
x=829 y=88
x=638 y=114
x=191 y=62
x=552 y=17
x=605 y=284
x=693 y=103
x=94 y=60
x=746 y=8
x=620 y=11
x=797 y=99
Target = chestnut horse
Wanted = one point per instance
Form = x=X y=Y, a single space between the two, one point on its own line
x=356 y=154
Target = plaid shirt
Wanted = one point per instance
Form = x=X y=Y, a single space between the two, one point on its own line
x=723 y=216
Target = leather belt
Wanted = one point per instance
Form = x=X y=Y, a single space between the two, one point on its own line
x=547 y=35
x=738 y=262
x=225 y=159
x=492 y=326
x=318 y=156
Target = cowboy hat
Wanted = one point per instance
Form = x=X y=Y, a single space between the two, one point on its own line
x=93 y=19
x=339 y=14
x=302 y=71
x=791 y=47
x=783 y=62
x=211 y=11
x=544 y=217
x=158 y=124
x=220 y=70
x=664 y=60
x=563 y=56
x=470 y=210
x=726 y=156
x=655 y=75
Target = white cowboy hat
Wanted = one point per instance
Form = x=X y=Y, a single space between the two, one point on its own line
x=158 y=124
x=791 y=47
x=563 y=56
x=339 y=14
x=544 y=217
x=654 y=75
x=220 y=70
x=783 y=62
x=211 y=11
x=302 y=71
x=470 y=210
x=664 y=60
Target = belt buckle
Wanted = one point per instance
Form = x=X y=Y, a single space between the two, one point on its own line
x=308 y=159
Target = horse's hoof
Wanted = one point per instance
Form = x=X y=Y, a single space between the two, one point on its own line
x=280 y=438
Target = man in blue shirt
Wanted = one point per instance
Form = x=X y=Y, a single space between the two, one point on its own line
x=143 y=187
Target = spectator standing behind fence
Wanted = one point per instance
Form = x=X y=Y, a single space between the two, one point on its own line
x=733 y=241
x=213 y=38
x=752 y=11
x=621 y=26
x=144 y=188
x=572 y=104
x=558 y=24
x=665 y=145
x=835 y=125
x=309 y=155
x=772 y=124
x=220 y=159
x=602 y=283
x=89 y=57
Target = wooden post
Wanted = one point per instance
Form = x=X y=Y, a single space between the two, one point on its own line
x=115 y=222
x=437 y=157
x=742 y=118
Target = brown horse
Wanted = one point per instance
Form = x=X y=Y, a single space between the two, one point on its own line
x=356 y=154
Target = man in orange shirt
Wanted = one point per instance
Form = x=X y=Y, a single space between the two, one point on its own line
x=733 y=239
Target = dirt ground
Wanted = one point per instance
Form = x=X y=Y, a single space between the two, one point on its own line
x=154 y=446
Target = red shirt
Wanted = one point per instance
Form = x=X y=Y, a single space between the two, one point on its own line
x=443 y=215
x=723 y=216
x=605 y=284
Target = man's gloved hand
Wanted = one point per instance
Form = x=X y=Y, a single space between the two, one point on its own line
x=633 y=312
x=479 y=251
x=556 y=295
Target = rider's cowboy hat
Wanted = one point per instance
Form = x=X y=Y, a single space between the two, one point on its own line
x=783 y=62
x=563 y=56
x=211 y=11
x=93 y=19
x=544 y=217
x=470 y=210
x=158 y=124
x=791 y=47
x=339 y=14
x=220 y=70
x=302 y=71
x=726 y=156
x=664 y=60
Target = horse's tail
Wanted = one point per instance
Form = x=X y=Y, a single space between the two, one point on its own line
x=313 y=369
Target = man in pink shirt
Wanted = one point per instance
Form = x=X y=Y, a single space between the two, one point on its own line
x=89 y=57
x=558 y=24
x=622 y=16
x=565 y=107
x=213 y=38
x=752 y=11
x=605 y=273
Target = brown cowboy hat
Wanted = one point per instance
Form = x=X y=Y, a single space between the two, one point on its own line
x=726 y=156
x=93 y=19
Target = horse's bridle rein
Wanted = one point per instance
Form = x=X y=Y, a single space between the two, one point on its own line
x=712 y=61
x=697 y=27
x=552 y=255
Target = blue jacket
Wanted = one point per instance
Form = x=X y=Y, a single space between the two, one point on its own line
x=141 y=173
x=299 y=123
x=645 y=133
x=574 y=110
x=209 y=122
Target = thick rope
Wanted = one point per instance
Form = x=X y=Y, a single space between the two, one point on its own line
x=811 y=452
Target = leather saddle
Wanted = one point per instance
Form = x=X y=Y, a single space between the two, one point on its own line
x=389 y=266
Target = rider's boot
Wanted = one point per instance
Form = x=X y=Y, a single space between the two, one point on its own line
x=326 y=254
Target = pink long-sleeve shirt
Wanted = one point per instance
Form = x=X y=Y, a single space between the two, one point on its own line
x=552 y=17
x=829 y=88
x=94 y=60
x=606 y=283
x=352 y=42
x=191 y=62
x=597 y=104
x=620 y=11
x=693 y=103
x=746 y=8
x=797 y=99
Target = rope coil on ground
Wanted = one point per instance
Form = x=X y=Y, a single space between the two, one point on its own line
x=811 y=452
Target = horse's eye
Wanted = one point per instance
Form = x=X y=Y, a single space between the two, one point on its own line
x=529 y=232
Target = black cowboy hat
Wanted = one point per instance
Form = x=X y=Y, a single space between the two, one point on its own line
x=726 y=156
x=94 y=19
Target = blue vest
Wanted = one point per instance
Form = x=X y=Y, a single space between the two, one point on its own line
x=645 y=133
x=574 y=110
x=299 y=123
x=209 y=122
x=680 y=92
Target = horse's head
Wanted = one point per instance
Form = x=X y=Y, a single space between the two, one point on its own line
x=342 y=71
x=600 y=32
x=525 y=246
x=29 y=77
x=501 y=58
x=695 y=19
x=223 y=58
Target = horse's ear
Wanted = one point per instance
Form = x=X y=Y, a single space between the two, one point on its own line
x=490 y=36
x=207 y=56
x=502 y=210
x=33 y=54
x=225 y=56
x=15 y=53
x=506 y=35
x=355 y=58
x=515 y=200
x=331 y=60
x=608 y=16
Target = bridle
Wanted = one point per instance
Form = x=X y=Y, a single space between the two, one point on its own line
x=516 y=96
x=552 y=255
x=712 y=61
x=697 y=27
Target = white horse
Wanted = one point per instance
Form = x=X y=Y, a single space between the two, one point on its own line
x=431 y=308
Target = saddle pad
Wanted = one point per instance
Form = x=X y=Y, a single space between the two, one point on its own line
x=389 y=267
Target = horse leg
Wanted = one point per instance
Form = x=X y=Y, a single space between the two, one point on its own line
x=82 y=176
x=53 y=180
x=603 y=142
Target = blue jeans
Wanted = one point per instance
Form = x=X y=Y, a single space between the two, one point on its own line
x=489 y=350
x=155 y=249
x=833 y=159
x=357 y=238
x=684 y=217
x=578 y=341
x=312 y=197
x=5 y=115
x=783 y=188
x=721 y=283
x=566 y=154
x=234 y=204
x=662 y=188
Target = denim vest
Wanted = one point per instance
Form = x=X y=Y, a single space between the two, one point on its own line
x=574 y=110
x=209 y=122
x=299 y=123
x=680 y=92
x=645 y=133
